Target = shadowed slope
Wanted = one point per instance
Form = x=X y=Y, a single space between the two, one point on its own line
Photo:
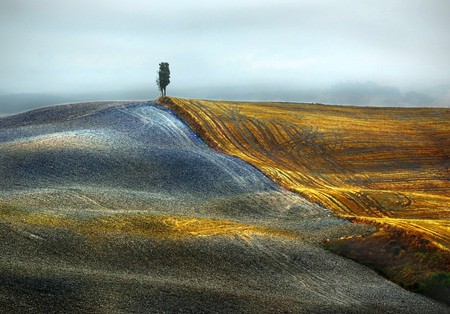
x=119 y=207
x=142 y=145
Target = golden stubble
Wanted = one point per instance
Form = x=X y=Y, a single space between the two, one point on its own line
x=383 y=164
x=139 y=225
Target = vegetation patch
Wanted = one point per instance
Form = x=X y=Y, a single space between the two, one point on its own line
x=402 y=256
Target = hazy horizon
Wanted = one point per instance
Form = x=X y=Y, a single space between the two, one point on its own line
x=384 y=53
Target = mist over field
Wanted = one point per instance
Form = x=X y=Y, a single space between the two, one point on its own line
x=384 y=53
x=358 y=94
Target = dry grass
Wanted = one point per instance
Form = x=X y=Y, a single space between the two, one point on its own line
x=388 y=165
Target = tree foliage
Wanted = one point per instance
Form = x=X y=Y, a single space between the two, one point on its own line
x=163 y=77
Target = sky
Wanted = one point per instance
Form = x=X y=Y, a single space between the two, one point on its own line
x=223 y=49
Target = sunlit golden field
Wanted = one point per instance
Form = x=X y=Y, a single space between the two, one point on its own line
x=379 y=165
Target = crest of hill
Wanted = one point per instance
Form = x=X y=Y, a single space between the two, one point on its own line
x=58 y=113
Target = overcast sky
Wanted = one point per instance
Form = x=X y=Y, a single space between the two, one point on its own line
x=85 y=46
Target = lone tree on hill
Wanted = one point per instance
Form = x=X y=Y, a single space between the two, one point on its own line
x=163 y=77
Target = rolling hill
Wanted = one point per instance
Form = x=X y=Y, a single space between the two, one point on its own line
x=388 y=167
x=113 y=207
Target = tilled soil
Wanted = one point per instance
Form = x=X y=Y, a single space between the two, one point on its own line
x=104 y=164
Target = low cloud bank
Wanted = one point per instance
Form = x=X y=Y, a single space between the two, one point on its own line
x=357 y=94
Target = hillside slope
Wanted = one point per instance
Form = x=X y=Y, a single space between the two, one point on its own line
x=386 y=167
x=118 y=207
